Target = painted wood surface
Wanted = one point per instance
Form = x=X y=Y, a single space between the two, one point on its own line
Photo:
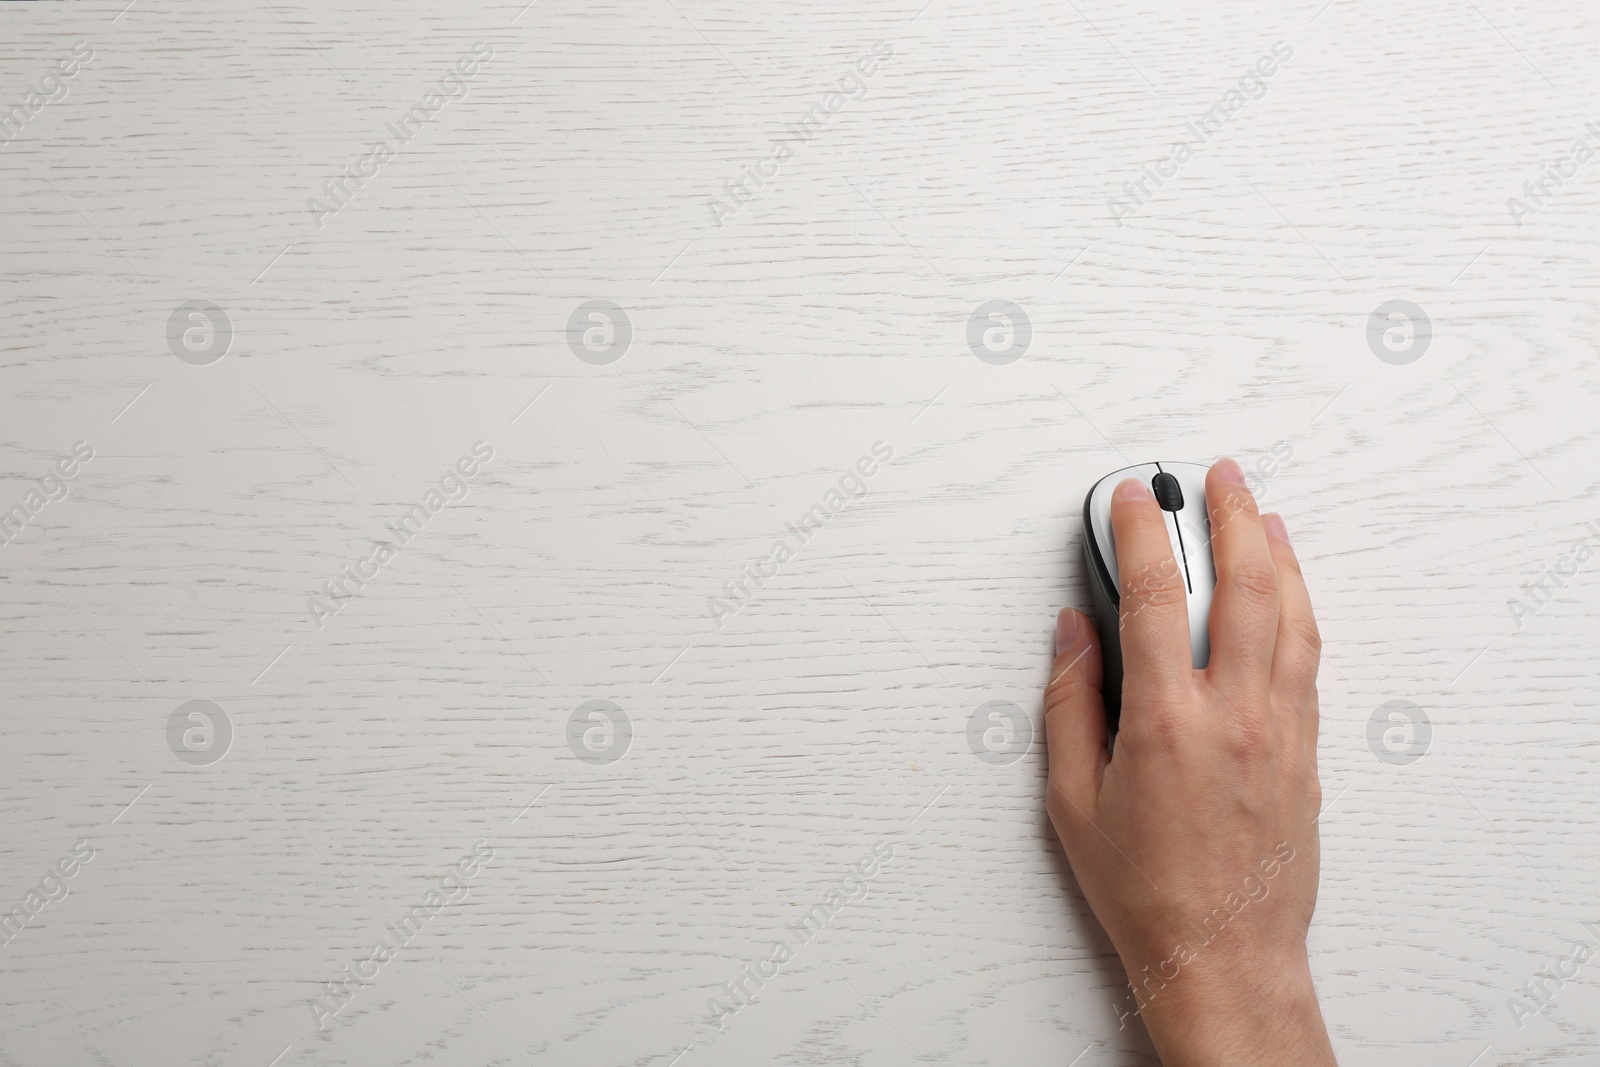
x=804 y=277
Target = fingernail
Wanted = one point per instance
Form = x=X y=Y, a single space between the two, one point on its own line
x=1132 y=489
x=1066 y=629
x=1273 y=523
x=1230 y=472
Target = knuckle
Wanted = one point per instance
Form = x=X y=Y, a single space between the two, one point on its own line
x=1297 y=660
x=1305 y=633
x=1254 y=581
x=1313 y=793
x=1063 y=690
x=1233 y=503
x=1247 y=740
x=1070 y=678
x=1157 y=585
x=1164 y=735
x=1160 y=734
x=1300 y=783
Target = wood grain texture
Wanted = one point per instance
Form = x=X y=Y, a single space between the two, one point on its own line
x=1227 y=315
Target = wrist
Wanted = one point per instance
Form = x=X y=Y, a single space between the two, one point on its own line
x=1239 y=1013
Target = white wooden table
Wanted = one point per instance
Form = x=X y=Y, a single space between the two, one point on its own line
x=350 y=352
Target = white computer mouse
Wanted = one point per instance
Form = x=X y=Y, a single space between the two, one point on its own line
x=1180 y=489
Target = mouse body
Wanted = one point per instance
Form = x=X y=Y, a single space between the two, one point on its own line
x=1180 y=490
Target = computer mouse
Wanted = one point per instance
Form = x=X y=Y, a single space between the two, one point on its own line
x=1180 y=490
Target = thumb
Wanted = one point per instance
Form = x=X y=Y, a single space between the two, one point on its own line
x=1075 y=716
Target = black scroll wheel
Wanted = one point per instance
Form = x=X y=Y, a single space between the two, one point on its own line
x=1168 y=493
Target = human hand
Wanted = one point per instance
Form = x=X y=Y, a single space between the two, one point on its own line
x=1196 y=842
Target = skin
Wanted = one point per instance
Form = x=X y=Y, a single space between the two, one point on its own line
x=1178 y=839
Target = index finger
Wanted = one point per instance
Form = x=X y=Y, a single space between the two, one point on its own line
x=1153 y=613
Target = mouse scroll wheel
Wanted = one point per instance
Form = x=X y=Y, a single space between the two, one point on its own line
x=1168 y=493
